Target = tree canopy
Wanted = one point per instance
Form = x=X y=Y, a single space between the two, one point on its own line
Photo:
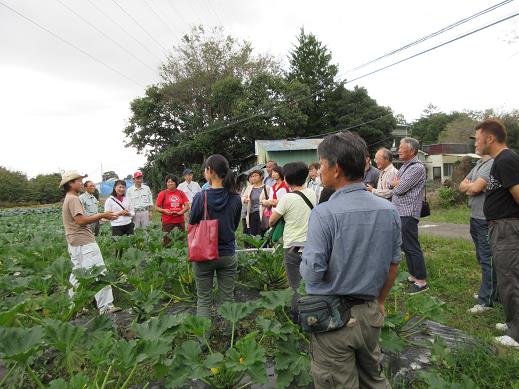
x=217 y=96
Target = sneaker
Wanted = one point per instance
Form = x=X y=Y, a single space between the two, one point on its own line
x=411 y=279
x=503 y=327
x=506 y=341
x=479 y=308
x=415 y=289
x=109 y=310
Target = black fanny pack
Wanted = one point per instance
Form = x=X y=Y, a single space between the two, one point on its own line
x=325 y=313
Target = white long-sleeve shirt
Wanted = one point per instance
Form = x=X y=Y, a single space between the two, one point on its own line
x=111 y=204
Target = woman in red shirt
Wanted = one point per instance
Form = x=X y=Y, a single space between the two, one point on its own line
x=279 y=189
x=173 y=204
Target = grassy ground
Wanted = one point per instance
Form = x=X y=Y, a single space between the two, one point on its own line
x=454 y=277
x=456 y=215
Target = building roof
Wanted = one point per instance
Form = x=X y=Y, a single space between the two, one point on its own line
x=289 y=145
x=471 y=155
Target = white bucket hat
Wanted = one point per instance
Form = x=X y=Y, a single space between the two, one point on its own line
x=70 y=175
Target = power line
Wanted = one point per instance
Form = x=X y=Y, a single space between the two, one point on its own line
x=437 y=46
x=71 y=44
x=106 y=36
x=140 y=26
x=349 y=128
x=212 y=10
x=159 y=17
x=258 y=114
x=124 y=30
x=432 y=35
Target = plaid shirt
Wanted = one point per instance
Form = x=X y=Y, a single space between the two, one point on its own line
x=408 y=194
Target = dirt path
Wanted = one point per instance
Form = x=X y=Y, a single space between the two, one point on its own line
x=445 y=230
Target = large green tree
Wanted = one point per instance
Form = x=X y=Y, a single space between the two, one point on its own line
x=428 y=127
x=357 y=111
x=14 y=186
x=216 y=96
x=44 y=188
x=310 y=63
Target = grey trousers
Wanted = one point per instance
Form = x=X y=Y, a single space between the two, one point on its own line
x=225 y=269
x=504 y=239
x=292 y=262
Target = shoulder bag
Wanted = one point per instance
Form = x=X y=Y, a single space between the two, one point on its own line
x=202 y=238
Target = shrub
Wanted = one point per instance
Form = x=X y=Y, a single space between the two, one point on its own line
x=447 y=197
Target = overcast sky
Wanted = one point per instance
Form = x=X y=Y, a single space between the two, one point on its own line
x=61 y=109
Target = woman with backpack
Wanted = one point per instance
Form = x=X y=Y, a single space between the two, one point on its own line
x=119 y=204
x=295 y=208
x=224 y=205
x=172 y=203
x=252 y=203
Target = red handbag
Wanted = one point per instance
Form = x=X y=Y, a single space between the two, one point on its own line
x=202 y=238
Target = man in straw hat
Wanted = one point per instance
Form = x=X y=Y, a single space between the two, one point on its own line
x=82 y=247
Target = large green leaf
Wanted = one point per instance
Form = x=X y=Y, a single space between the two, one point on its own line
x=18 y=344
x=62 y=335
x=197 y=325
x=276 y=299
x=100 y=351
x=390 y=341
x=234 y=312
x=124 y=354
x=186 y=365
x=248 y=356
x=154 y=328
x=7 y=317
x=78 y=381
x=152 y=349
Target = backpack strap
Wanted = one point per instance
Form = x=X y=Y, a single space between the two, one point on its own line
x=302 y=195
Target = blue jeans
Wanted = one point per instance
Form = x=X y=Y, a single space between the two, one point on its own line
x=488 y=289
x=412 y=249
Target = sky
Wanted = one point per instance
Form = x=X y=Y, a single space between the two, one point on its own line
x=64 y=107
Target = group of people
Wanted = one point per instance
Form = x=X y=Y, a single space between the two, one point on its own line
x=346 y=223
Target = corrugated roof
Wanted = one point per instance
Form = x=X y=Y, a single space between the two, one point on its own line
x=471 y=155
x=285 y=145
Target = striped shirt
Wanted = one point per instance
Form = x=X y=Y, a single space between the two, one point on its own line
x=408 y=194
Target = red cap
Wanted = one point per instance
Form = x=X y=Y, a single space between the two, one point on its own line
x=137 y=174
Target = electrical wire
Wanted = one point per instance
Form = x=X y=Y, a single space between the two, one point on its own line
x=160 y=18
x=107 y=36
x=68 y=43
x=123 y=29
x=140 y=26
x=258 y=114
x=432 y=35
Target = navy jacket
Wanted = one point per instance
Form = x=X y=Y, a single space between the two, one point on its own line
x=226 y=208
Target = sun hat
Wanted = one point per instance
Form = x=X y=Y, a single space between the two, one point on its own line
x=70 y=175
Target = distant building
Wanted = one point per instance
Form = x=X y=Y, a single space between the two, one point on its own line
x=285 y=150
x=442 y=157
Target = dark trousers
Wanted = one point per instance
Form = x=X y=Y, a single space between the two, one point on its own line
x=488 y=289
x=504 y=241
x=127 y=229
x=412 y=249
x=167 y=228
x=254 y=224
